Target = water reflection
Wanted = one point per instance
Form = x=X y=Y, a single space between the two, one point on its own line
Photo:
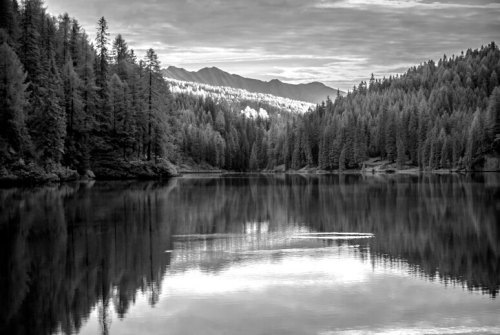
x=77 y=255
x=66 y=249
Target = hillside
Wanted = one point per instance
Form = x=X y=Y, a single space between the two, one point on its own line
x=438 y=116
x=239 y=96
x=314 y=92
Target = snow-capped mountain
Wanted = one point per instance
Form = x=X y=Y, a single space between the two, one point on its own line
x=240 y=96
x=314 y=92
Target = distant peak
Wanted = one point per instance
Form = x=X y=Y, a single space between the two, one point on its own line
x=311 y=92
x=213 y=68
x=171 y=67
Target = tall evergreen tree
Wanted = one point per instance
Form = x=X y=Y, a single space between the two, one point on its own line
x=50 y=122
x=254 y=165
x=152 y=65
x=494 y=113
x=9 y=21
x=14 y=139
x=102 y=72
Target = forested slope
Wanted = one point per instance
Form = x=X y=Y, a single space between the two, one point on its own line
x=435 y=116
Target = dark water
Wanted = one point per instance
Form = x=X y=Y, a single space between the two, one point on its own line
x=253 y=255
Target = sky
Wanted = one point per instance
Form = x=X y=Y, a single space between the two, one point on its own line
x=337 y=42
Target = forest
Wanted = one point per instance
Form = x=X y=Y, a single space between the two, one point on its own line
x=75 y=105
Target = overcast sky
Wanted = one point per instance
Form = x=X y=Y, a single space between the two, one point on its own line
x=338 y=42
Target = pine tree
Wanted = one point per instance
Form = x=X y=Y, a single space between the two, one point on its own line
x=423 y=121
x=102 y=60
x=9 y=21
x=72 y=98
x=254 y=166
x=50 y=123
x=413 y=136
x=390 y=137
x=89 y=99
x=475 y=140
x=220 y=123
x=29 y=42
x=322 y=154
x=494 y=114
x=446 y=153
x=288 y=148
x=14 y=139
x=102 y=73
x=296 y=153
x=73 y=108
x=401 y=154
x=306 y=149
x=121 y=57
x=75 y=39
x=120 y=49
x=64 y=33
x=117 y=101
x=159 y=138
x=434 y=149
x=493 y=81
x=342 y=160
x=152 y=65
x=335 y=148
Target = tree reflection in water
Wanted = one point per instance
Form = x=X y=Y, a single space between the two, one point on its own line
x=66 y=250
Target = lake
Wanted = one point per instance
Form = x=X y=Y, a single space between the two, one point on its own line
x=253 y=254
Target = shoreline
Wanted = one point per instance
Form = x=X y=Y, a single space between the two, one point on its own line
x=12 y=181
x=21 y=174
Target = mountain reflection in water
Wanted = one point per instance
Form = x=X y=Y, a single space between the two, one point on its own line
x=81 y=255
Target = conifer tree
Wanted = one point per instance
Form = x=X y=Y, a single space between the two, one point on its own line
x=342 y=160
x=50 y=121
x=494 y=113
x=401 y=156
x=390 y=137
x=254 y=166
x=72 y=98
x=117 y=101
x=9 y=21
x=29 y=42
x=14 y=139
x=75 y=41
x=102 y=74
x=152 y=66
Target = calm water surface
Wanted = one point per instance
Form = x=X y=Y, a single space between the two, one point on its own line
x=253 y=255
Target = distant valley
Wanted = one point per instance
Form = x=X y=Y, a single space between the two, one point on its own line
x=314 y=92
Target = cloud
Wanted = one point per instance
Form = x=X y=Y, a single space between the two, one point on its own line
x=402 y=4
x=332 y=40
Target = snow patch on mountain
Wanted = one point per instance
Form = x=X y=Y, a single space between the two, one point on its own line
x=232 y=95
x=314 y=92
x=249 y=112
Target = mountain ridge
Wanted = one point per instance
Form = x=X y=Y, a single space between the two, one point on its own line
x=314 y=92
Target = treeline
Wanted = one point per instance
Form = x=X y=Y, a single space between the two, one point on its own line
x=70 y=100
x=444 y=115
